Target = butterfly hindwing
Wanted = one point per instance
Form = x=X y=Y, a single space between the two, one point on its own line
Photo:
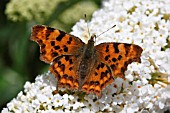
x=98 y=79
x=118 y=56
x=54 y=43
x=64 y=70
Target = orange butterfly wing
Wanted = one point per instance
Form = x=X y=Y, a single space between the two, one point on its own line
x=112 y=61
x=60 y=49
x=54 y=43
x=118 y=56
x=98 y=79
x=64 y=68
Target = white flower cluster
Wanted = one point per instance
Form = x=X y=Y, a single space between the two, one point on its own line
x=146 y=88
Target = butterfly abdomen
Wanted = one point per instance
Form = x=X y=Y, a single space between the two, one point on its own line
x=86 y=63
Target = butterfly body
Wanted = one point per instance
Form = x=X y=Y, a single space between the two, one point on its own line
x=80 y=66
x=87 y=61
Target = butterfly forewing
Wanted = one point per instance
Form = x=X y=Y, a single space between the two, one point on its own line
x=118 y=56
x=54 y=43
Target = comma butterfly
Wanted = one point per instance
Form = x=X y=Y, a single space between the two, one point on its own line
x=81 y=66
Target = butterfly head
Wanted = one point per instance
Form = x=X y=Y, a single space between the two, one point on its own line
x=92 y=39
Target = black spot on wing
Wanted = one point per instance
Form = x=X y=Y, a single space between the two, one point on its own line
x=91 y=82
x=54 y=54
x=70 y=68
x=103 y=74
x=52 y=43
x=50 y=29
x=71 y=61
x=107 y=57
x=47 y=35
x=65 y=48
x=112 y=66
x=59 y=63
x=70 y=40
x=102 y=65
x=56 y=47
x=62 y=66
x=62 y=34
x=107 y=48
x=119 y=57
x=127 y=48
x=115 y=46
x=96 y=83
x=114 y=59
x=66 y=57
x=98 y=67
x=65 y=76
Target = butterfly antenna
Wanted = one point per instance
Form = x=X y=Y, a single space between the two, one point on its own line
x=105 y=31
x=87 y=24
